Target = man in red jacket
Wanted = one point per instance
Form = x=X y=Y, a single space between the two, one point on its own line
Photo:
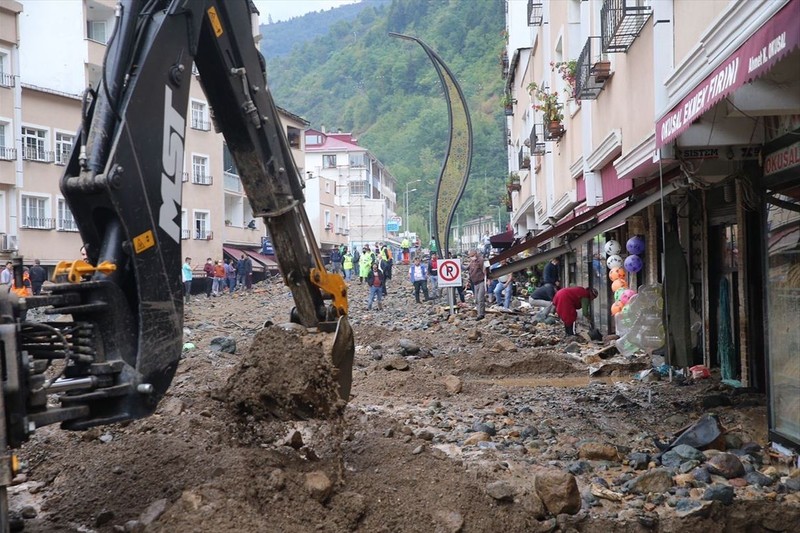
x=568 y=301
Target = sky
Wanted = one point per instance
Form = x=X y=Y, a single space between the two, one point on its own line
x=286 y=9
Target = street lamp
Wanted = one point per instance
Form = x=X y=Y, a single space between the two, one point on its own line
x=408 y=191
x=499 y=218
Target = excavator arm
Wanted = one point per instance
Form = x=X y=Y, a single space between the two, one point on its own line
x=123 y=184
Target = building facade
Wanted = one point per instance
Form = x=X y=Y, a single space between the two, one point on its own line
x=355 y=191
x=676 y=122
x=43 y=75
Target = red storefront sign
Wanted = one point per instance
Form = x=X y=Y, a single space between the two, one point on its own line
x=776 y=38
x=783 y=159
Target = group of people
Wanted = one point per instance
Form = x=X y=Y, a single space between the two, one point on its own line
x=219 y=276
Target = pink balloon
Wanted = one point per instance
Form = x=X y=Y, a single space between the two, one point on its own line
x=626 y=296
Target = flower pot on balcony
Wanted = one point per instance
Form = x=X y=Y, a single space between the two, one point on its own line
x=601 y=71
x=526 y=163
x=554 y=128
x=514 y=187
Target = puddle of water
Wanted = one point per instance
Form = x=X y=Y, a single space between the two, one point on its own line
x=563 y=382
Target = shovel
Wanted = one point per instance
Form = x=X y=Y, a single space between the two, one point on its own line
x=594 y=333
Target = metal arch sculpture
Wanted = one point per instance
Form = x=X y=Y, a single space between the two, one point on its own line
x=458 y=158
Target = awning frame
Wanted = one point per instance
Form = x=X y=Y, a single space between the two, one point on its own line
x=608 y=224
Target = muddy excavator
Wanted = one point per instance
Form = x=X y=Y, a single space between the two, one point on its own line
x=112 y=347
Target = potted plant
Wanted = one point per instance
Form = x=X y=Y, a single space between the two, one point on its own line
x=601 y=69
x=508 y=203
x=547 y=103
x=508 y=103
x=513 y=182
x=568 y=71
x=526 y=161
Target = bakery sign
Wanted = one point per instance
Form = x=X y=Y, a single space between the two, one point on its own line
x=783 y=159
x=777 y=37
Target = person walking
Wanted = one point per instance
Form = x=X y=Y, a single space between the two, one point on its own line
x=567 y=302
x=248 y=274
x=375 y=280
x=405 y=245
x=7 y=274
x=38 y=276
x=230 y=275
x=433 y=274
x=477 y=279
x=418 y=274
x=365 y=264
x=336 y=261
x=487 y=245
x=386 y=264
x=219 y=278
x=240 y=271
x=186 y=277
x=208 y=269
x=347 y=263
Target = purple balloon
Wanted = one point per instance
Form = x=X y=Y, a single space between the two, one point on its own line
x=633 y=263
x=635 y=245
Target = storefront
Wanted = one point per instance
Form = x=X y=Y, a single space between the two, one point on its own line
x=782 y=279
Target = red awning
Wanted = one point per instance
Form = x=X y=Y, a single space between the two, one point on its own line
x=262 y=262
x=776 y=38
x=502 y=240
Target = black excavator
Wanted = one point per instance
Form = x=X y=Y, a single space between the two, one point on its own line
x=116 y=356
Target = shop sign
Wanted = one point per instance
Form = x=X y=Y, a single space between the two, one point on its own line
x=730 y=153
x=783 y=159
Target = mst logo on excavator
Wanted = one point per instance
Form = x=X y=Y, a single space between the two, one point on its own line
x=172 y=165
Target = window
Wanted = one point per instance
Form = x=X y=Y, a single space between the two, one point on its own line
x=358 y=160
x=6 y=79
x=329 y=161
x=200 y=170
x=65 y=220
x=328 y=225
x=338 y=225
x=202 y=225
x=6 y=152
x=314 y=139
x=34 y=212
x=186 y=232
x=200 y=116
x=293 y=135
x=96 y=31
x=328 y=186
x=358 y=188
x=228 y=164
x=63 y=148
x=34 y=144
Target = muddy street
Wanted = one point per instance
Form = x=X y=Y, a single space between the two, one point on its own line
x=454 y=425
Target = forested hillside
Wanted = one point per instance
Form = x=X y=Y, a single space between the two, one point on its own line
x=386 y=91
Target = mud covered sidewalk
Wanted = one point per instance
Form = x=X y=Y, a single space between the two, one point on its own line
x=454 y=426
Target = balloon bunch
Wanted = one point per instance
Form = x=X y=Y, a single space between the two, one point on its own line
x=618 y=270
x=641 y=323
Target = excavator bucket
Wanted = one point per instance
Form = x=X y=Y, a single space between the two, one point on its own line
x=342 y=353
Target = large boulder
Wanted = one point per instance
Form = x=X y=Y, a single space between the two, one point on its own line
x=558 y=491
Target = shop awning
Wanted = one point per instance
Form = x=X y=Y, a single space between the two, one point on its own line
x=261 y=262
x=608 y=224
x=776 y=38
x=502 y=240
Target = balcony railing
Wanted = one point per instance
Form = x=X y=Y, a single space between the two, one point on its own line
x=535 y=140
x=7 y=154
x=592 y=70
x=30 y=153
x=203 y=125
x=185 y=177
x=202 y=179
x=524 y=158
x=231 y=182
x=621 y=21
x=186 y=234
x=203 y=235
x=38 y=223
x=62 y=158
x=535 y=13
x=6 y=79
x=67 y=224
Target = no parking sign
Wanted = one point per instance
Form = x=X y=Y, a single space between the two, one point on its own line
x=449 y=273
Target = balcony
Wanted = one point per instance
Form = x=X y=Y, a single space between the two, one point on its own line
x=31 y=153
x=504 y=62
x=202 y=179
x=7 y=154
x=621 y=21
x=62 y=158
x=202 y=125
x=553 y=131
x=6 y=79
x=592 y=70
x=185 y=234
x=37 y=223
x=185 y=177
x=524 y=158
x=203 y=235
x=67 y=224
x=232 y=183
x=536 y=146
x=535 y=13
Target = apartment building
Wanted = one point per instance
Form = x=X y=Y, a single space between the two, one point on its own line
x=355 y=191
x=678 y=122
x=43 y=75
